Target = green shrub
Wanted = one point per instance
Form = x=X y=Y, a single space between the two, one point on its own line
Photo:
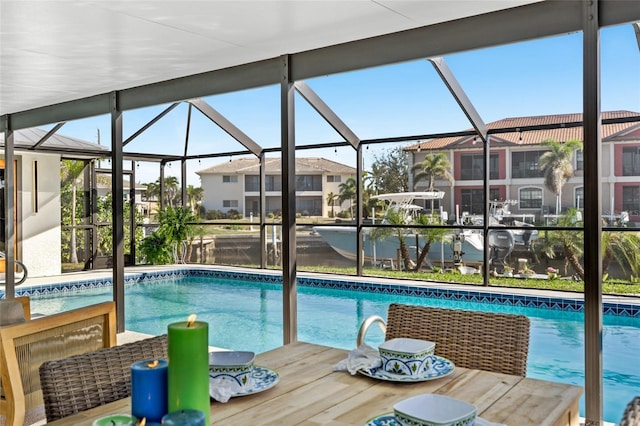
x=214 y=214
x=156 y=249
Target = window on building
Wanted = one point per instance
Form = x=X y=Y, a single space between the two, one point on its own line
x=579 y=160
x=334 y=178
x=472 y=200
x=252 y=183
x=530 y=198
x=472 y=167
x=273 y=183
x=309 y=206
x=631 y=161
x=631 y=199
x=525 y=164
x=309 y=183
x=230 y=204
x=579 y=198
x=229 y=179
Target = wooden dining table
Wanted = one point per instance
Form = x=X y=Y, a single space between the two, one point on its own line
x=309 y=392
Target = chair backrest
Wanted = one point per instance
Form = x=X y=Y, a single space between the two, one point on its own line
x=25 y=346
x=631 y=415
x=81 y=382
x=471 y=339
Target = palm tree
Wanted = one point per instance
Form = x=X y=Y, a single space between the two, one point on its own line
x=368 y=191
x=153 y=190
x=171 y=190
x=430 y=235
x=557 y=165
x=331 y=198
x=624 y=249
x=71 y=171
x=194 y=195
x=395 y=217
x=348 y=192
x=571 y=241
x=435 y=166
x=176 y=229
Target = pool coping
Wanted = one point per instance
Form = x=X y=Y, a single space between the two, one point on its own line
x=624 y=306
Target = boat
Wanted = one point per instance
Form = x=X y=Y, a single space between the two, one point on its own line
x=458 y=246
x=500 y=214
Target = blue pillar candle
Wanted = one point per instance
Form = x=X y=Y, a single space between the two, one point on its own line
x=184 y=418
x=149 y=389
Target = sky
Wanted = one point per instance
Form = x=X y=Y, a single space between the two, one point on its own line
x=538 y=77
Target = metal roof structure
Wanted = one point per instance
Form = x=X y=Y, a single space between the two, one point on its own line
x=66 y=60
x=34 y=138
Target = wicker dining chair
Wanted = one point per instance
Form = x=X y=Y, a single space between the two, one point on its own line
x=81 y=382
x=631 y=416
x=470 y=339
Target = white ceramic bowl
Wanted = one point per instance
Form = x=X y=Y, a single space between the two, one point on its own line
x=434 y=410
x=406 y=357
x=235 y=366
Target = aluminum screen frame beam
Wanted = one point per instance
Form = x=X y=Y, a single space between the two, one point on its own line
x=150 y=123
x=117 y=211
x=327 y=113
x=591 y=117
x=288 y=161
x=458 y=93
x=227 y=126
x=48 y=135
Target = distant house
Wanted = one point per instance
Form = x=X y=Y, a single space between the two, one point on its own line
x=142 y=204
x=235 y=185
x=515 y=173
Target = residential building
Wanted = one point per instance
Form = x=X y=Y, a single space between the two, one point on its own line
x=37 y=196
x=142 y=204
x=515 y=173
x=235 y=185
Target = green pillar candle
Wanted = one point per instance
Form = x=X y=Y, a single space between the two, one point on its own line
x=116 y=420
x=188 y=375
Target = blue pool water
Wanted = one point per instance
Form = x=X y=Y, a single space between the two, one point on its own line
x=247 y=315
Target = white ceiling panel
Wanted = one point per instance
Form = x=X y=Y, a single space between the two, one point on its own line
x=60 y=50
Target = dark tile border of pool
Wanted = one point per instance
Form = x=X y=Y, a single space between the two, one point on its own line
x=505 y=299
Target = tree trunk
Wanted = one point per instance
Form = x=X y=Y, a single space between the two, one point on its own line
x=405 y=254
x=73 y=255
x=423 y=256
x=573 y=261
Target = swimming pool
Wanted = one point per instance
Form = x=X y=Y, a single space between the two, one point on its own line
x=244 y=312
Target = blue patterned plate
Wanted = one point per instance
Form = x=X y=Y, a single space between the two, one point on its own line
x=388 y=419
x=263 y=378
x=440 y=367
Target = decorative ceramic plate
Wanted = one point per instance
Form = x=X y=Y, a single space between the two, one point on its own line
x=440 y=367
x=388 y=419
x=263 y=378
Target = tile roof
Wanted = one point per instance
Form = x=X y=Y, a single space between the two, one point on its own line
x=250 y=166
x=610 y=132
